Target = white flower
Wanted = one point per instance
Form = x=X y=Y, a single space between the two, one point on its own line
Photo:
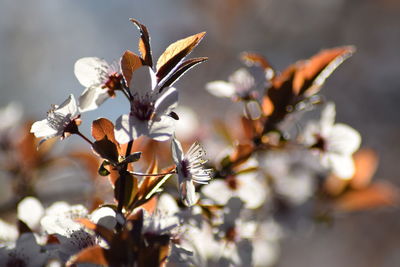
x=190 y=169
x=100 y=80
x=10 y=119
x=61 y=121
x=26 y=253
x=239 y=85
x=30 y=211
x=150 y=109
x=336 y=143
x=247 y=187
x=72 y=236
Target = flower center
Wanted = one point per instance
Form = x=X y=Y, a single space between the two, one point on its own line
x=113 y=83
x=185 y=167
x=320 y=143
x=142 y=107
x=232 y=182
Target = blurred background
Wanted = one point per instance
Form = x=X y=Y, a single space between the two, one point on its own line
x=41 y=40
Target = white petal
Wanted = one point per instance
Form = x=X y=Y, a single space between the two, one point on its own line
x=188 y=124
x=8 y=232
x=162 y=129
x=143 y=81
x=167 y=102
x=218 y=191
x=242 y=80
x=104 y=216
x=88 y=70
x=124 y=130
x=188 y=192
x=43 y=129
x=342 y=165
x=251 y=191
x=177 y=152
x=68 y=107
x=30 y=211
x=343 y=139
x=327 y=118
x=92 y=98
x=167 y=204
x=220 y=89
x=309 y=134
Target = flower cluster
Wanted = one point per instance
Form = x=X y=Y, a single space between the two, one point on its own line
x=222 y=210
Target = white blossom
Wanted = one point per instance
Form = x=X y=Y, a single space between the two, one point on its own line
x=150 y=109
x=239 y=85
x=100 y=80
x=190 y=169
x=335 y=142
x=61 y=121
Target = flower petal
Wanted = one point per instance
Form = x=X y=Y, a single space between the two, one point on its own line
x=218 y=191
x=251 y=191
x=92 y=98
x=344 y=139
x=187 y=192
x=221 y=89
x=68 y=107
x=177 y=152
x=143 y=81
x=327 y=118
x=124 y=129
x=30 y=211
x=88 y=70
x=342 y=165
x=162 y=129
x=42 y=129
x=167 y=101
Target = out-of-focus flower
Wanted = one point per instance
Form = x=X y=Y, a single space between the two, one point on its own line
x=100 y=79
x=190 y=169
x=239 y=85
x=291 y=174
x=245 y=186
x=150 y=109
x=335 y=142
x=8 y=232
x=187 y=127
x=25 y=252
x=61 y=121
x=10 y=119
x=266 y=243
x=30 y=211
x=60 y=221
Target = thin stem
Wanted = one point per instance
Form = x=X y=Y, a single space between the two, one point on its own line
x=152 y=174
x=84 y=138
x=122 y=176
x=126 y=94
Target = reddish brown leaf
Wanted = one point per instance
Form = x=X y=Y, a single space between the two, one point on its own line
x=312 y=74
x=130 y=189
x=182 y=69
x=241 y=153
x=94 y=254
x=129 y=63
x=374 y=196
x=175 y=53
x=106 y=149
x=254 y=59
x=144 y=43
x=366 y=163
x=103 y=127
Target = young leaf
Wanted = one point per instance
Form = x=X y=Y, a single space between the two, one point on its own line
x=103 y=128
x=102 y=170
x=182 y=69
x=130 y=189
x=129 y=63
x=312 y=73
x=106 y=149
x=254 y=59
x=376 y=195
x=144 y=43
x=131 y=158
x=175 y=53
